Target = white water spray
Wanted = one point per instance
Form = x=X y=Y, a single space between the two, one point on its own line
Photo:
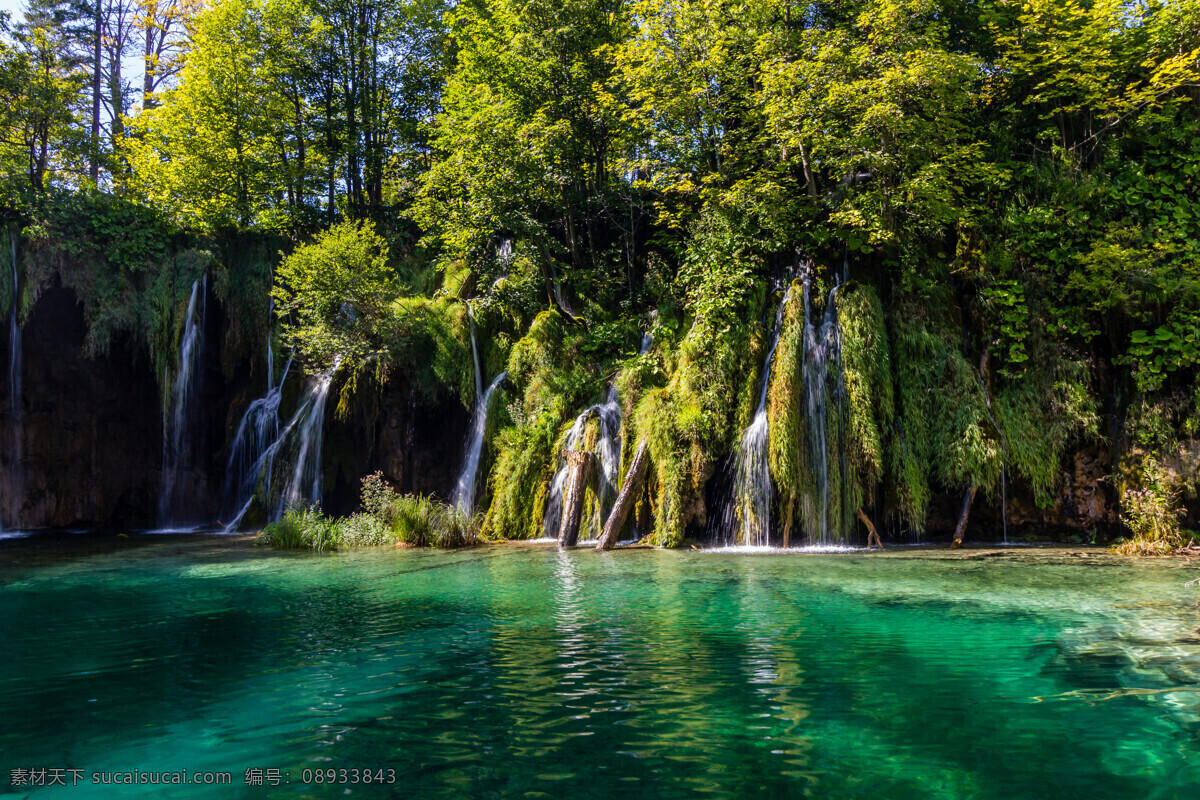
x=608 y=451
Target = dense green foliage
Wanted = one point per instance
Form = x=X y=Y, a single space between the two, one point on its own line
x=1013 y=191
x=387 y=518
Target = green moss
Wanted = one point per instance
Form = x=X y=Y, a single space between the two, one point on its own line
x=866 y=367
x=1041 y=412
x=519 y=481
x=944 y=433
x=692 y=422
x=788 y=443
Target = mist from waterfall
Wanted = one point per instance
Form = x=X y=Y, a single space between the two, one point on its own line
x=179 y=414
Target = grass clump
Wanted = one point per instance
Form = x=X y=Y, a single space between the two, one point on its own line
x=303 y=528
x=363 y=530
x=386 y=518
x=413 y=520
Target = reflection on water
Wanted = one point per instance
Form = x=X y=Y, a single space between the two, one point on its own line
x=529 y=671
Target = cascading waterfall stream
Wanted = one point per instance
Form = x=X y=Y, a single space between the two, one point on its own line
x=463 y=497
x=178 y=419
x=298 y=444
x=257 y=432
x=475 y=354
x=608 y=451
x=14 y=354
x=305 y=483
x=822 y=360
x=748 y=515
x=15 y=431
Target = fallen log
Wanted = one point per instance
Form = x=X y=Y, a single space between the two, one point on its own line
x=626 y=499
x=961 y=528
x=579 y=468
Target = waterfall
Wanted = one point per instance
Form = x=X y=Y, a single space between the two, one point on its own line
x=257 y=433
x=608 y=451
x=15 y=431
x=463 y=496
x=475 y=354
x=305 y=483
x=177 y=421
x=822 y=360
x=14 y=354
x=261 y=442
x=748 y=515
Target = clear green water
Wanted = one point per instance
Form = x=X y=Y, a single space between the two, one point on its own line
x=521 y=671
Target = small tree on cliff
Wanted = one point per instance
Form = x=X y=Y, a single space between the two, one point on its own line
x=336 y=295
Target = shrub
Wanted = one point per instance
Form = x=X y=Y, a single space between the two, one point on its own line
x=422 y=521
x=363 y=530
x=415 y=520
x=1150 y=510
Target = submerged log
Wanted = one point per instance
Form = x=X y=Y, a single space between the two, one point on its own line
x=872 y=534
x=961 y=528
x=627 y=497
x=579 y=469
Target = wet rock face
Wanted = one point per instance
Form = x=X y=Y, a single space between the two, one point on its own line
x=1085 y=506
x=415 y=441
x=87 y=448
x=1087 y=497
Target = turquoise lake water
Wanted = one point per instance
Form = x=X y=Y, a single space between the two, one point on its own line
x=522 y=671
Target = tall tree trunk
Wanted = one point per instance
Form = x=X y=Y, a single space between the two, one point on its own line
x=148 y=61
x=809 y=180
x=627 y=497
x=97 y=36
x=116 y=97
